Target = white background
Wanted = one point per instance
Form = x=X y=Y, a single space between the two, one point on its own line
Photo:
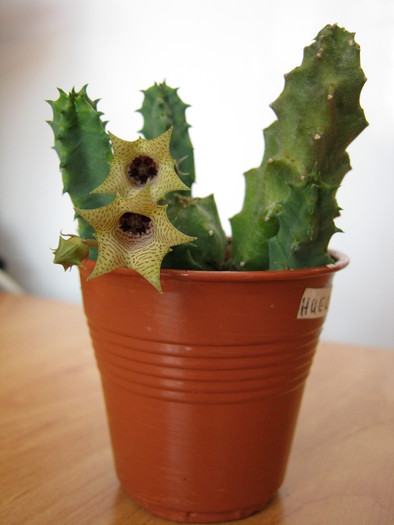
x=228 y=57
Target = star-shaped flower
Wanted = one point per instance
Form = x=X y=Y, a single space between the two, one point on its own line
x=136 y=163
x=134 y=233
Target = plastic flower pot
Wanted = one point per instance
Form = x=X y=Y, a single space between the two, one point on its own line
x=203 y=383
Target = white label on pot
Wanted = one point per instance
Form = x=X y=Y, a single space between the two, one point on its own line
x=314 y=303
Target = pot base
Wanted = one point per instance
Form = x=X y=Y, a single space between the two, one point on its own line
x=199 y=517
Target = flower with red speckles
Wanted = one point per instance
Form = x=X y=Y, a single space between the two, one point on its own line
x=136 y=163
x=133 y=232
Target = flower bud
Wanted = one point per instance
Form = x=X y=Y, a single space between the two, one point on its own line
x=71 y=251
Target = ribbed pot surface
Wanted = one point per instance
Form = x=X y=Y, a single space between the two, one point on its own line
x=203 y=383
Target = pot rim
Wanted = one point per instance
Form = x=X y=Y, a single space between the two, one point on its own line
x=341 y=261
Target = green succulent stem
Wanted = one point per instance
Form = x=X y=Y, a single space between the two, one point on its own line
x=84 y=151
x=289 y=206
x=162 y=108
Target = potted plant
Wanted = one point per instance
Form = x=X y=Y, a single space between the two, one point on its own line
x=204 y=343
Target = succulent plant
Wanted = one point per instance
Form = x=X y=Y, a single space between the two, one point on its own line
x=131 y=230
x=120 y=189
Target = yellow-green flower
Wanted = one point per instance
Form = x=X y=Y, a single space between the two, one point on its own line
x=136 y=163
x=135 y=233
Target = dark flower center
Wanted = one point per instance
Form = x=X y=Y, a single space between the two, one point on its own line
x=142 y=169
x=135 y=224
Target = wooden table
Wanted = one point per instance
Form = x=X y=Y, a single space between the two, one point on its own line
x=55 y=456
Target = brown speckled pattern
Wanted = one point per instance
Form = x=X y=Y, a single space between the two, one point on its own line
x=125 y=152
x=143 y=254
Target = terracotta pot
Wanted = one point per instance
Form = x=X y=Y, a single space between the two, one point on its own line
x=203 y=383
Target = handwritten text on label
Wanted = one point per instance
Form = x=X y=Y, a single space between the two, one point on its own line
x=314 y=303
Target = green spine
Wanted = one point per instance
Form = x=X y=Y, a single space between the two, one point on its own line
x=293 y=190
x=84 y=151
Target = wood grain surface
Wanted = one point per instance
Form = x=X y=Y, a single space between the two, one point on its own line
x=55 y=457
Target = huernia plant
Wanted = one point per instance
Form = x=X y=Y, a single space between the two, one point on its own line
x=134 y=200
